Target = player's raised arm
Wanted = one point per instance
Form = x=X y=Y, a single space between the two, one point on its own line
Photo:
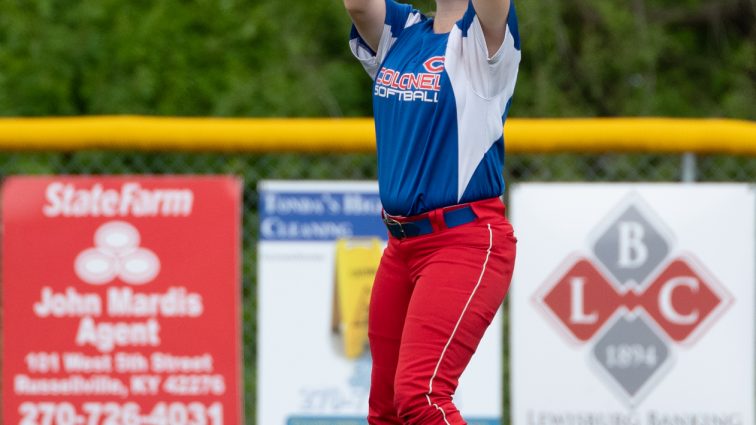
x=368 y=16
x=493 y=16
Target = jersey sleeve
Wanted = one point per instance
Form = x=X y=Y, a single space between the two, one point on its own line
x=489 y=76
x=398 y=17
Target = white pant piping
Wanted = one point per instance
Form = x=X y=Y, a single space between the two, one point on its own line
x=456 y=326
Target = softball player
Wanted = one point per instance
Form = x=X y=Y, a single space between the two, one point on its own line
x=442 y=89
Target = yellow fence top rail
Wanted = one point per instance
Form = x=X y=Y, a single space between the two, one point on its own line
x=357 y=135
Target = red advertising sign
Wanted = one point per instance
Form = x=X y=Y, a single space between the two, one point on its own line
x=121 y=301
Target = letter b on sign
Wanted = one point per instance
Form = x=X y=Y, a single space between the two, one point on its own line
x=633 y=251
x=631 y=247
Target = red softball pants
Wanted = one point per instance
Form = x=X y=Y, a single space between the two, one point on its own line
x=433 y=298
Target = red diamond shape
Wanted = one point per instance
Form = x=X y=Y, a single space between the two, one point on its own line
x=582 y=299
x=680 y=299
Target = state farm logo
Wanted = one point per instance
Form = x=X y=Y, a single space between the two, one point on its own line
x=117 y=254
x=634 y=297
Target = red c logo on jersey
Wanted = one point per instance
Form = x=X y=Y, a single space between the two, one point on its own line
x=435 y=64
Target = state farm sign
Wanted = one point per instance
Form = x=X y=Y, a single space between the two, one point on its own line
x=121 y=301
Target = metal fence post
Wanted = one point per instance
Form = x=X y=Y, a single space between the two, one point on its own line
x=689 y=167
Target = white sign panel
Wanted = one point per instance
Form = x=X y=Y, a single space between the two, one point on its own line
x=320 y=244
x=633 y=304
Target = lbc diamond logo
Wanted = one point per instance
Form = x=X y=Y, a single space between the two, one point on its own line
x=634 y=298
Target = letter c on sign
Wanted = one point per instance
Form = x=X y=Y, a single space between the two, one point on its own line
x=435 y=64
x=665 y=300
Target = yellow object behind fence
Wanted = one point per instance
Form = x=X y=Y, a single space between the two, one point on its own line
x=357 y=135
x=356 y=264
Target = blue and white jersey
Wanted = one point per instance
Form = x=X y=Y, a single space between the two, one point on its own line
x=439 y=103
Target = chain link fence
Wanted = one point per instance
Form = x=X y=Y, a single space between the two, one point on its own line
x=287 y=166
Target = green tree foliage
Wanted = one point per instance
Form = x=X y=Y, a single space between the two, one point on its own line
x=639 y=57
x=290 y=58
x=176 y=57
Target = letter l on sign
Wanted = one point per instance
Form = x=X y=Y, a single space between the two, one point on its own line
x=577 y=301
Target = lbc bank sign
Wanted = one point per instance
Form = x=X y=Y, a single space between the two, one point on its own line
x=633 y=304
x=632 y=295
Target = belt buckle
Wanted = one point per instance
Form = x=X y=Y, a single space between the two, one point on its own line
x=392 y=222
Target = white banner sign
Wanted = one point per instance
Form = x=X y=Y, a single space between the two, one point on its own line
x=320 y=244
x=633 y=304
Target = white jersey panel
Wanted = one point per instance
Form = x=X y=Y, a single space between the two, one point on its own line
x=482 y=88
x=494 y=76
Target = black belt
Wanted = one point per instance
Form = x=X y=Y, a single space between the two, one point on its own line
x=423 y=226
